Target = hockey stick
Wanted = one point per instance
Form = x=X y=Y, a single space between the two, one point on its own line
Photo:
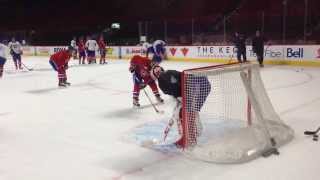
x=153 y=105
x=312 y=132
x=29 y=69
x=168 y=128
x=175 y=116
x=149 y=143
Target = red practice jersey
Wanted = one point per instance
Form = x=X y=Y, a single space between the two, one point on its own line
x=142 y=65
x=60 y=58
x=81 y=46
x=102 y=44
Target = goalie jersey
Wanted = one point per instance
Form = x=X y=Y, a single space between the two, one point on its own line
x=169 y=83
x=197 y=87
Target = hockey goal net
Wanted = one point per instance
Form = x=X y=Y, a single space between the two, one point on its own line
x=227 y=116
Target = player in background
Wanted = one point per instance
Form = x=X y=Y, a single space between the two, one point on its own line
x=102 y=50
x=3 y=57
x=59 y=62
x=145 y=47
x=258 y=47
x=170 y=83
x=16 y=52
x=140 y=68
x=158 y=50
x=239 y=41
x=91 y=46
x=73 y=44
x=82 y=51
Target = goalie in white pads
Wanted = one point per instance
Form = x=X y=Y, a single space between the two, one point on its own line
x=170 y=83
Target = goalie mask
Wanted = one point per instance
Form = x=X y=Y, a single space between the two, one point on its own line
x=156 y=71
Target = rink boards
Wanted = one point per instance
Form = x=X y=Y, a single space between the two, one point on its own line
x=307 y=55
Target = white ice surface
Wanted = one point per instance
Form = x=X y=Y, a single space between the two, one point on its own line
x=47 y=133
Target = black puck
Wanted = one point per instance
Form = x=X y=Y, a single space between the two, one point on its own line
x=315 y=138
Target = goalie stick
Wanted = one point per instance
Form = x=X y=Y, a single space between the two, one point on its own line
x=312 y=132
x=174 y=117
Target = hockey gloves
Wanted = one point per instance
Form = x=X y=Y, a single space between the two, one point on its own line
x=132 y=68
x=142 y=85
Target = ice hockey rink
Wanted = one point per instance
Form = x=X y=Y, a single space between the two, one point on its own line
x=79 y=132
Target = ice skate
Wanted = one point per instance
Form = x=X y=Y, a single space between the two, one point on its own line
x=136 y=102
x=67 y=83
x=61 y=84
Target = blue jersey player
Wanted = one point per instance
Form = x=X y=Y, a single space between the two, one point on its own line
x=158 y=50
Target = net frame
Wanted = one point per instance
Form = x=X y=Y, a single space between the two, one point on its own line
x=245 y=72
x=202 y=71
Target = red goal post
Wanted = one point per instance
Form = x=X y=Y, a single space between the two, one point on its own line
x=185 y=116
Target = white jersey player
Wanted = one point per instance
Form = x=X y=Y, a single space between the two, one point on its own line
x=15 y=46
x=145 y=47
x=16 y=52
x=91 y=46
x=73 y=44
x=3 y=57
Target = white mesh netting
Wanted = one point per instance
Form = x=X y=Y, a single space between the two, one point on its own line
x=219 y=123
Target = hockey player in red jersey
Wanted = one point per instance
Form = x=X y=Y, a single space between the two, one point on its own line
x=102 y=49
x=140 y=68
x=59 y=62
x=82 y=51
